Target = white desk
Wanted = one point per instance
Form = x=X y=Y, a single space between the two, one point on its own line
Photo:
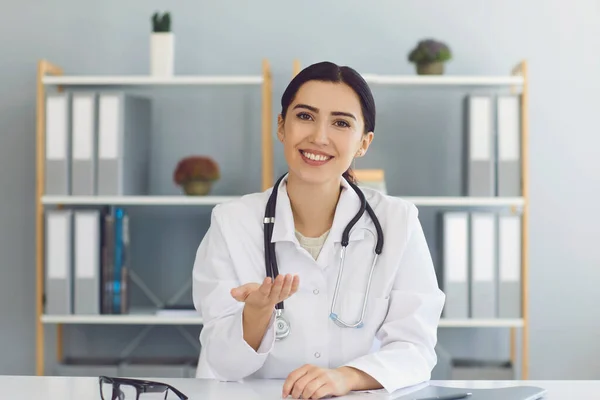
x=77 y=388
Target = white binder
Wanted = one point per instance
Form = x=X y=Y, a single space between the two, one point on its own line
x=480 y=165
x=456 y=264
x=84 y=142
x=87 y=257
x=58 y=145
x=483 y=265
x=124 y=128
x=509 y=145
x=59 y=262
x=510 y=266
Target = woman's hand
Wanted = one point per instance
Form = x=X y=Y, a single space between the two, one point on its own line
x=266 y=295
x=312 y=382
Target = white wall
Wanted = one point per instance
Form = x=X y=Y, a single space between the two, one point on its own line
x=559 y=39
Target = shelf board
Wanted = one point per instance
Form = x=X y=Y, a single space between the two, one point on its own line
x=464 y=201
x=122 y=319
x=481 y=323
x=143 y=80
x=450 y=80
x=137 y=200
x=212 y=200
x=152 y=319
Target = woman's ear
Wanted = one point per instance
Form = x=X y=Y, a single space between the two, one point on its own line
x=364 y=144
x=280 y=128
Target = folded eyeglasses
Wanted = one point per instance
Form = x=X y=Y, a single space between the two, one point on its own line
x=131 y=389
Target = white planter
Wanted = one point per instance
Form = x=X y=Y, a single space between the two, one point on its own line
x=162 y=53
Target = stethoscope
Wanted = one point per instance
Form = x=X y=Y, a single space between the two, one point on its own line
x=282 y=325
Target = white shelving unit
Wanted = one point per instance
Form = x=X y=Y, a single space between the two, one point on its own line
x=50 y=76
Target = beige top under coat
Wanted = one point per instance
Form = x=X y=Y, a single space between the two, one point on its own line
x=312 y=244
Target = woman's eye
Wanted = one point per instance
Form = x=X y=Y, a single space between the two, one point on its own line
x=342 y=124
x=303 y=116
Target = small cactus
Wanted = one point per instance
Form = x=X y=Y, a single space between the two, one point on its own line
x=161 y=24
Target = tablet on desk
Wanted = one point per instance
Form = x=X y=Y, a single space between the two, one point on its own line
x=432 y=392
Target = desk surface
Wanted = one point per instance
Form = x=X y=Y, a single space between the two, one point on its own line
x=75 y=388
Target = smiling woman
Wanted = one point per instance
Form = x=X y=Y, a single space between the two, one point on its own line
x=333 y=111
x=358 y=315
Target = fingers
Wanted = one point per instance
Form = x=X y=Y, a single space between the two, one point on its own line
x=286 y=289
x=307 y=382
x=290 y=286
x=323 y=391
x=274 y=296
x=316 y=389
x=240 y=293
x=295 y=285
x=271 y=291
x=266 y=287
x=288 y=385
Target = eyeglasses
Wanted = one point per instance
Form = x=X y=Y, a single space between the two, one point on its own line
x=130 y=389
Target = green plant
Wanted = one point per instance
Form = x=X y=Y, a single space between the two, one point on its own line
x=161 y=23
x=428 y=51
x=196 y=168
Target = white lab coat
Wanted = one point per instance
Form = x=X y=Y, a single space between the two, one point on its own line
x=396 y=343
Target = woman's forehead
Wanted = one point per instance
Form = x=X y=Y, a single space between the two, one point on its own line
x=328 y=97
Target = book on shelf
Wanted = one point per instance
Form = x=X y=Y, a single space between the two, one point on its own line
x=87 y=262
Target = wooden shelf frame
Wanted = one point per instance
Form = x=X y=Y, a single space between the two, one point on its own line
x=49 y=74
x=516 y=80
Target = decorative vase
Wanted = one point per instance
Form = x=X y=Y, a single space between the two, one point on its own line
x=162 y=53
x=197 y=188
x=433 y=68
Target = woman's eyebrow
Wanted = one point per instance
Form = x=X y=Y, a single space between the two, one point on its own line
x=316 y=110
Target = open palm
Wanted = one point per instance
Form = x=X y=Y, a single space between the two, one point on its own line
x=267 y=294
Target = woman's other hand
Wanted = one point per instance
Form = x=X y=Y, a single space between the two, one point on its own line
x=312 y=382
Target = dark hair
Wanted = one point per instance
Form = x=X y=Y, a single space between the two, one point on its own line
x=329 y=72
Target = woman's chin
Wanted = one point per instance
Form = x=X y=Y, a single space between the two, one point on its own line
x=316 y=176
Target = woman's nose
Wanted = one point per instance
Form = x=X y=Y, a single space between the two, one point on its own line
x=320 y=134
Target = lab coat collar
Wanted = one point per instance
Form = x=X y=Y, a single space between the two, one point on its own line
x=347 y=207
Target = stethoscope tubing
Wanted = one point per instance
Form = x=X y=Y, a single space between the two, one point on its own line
x=273 y=270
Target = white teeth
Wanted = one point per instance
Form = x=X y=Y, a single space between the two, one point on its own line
x=316 y=157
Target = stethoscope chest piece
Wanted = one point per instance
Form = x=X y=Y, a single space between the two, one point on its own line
x=282 y=326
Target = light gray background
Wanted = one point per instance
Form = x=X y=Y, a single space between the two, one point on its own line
x=559 y=39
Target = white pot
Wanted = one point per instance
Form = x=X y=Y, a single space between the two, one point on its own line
x=162 y=53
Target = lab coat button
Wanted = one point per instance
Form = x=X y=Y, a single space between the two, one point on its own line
x=316 y=291
x=317 y=354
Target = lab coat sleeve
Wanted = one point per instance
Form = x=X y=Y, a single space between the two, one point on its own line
x=228 y=355
x=408 y=334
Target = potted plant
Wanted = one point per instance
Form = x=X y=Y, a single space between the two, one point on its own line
x=162 y=45
x=429 y=55
x=196 y=174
